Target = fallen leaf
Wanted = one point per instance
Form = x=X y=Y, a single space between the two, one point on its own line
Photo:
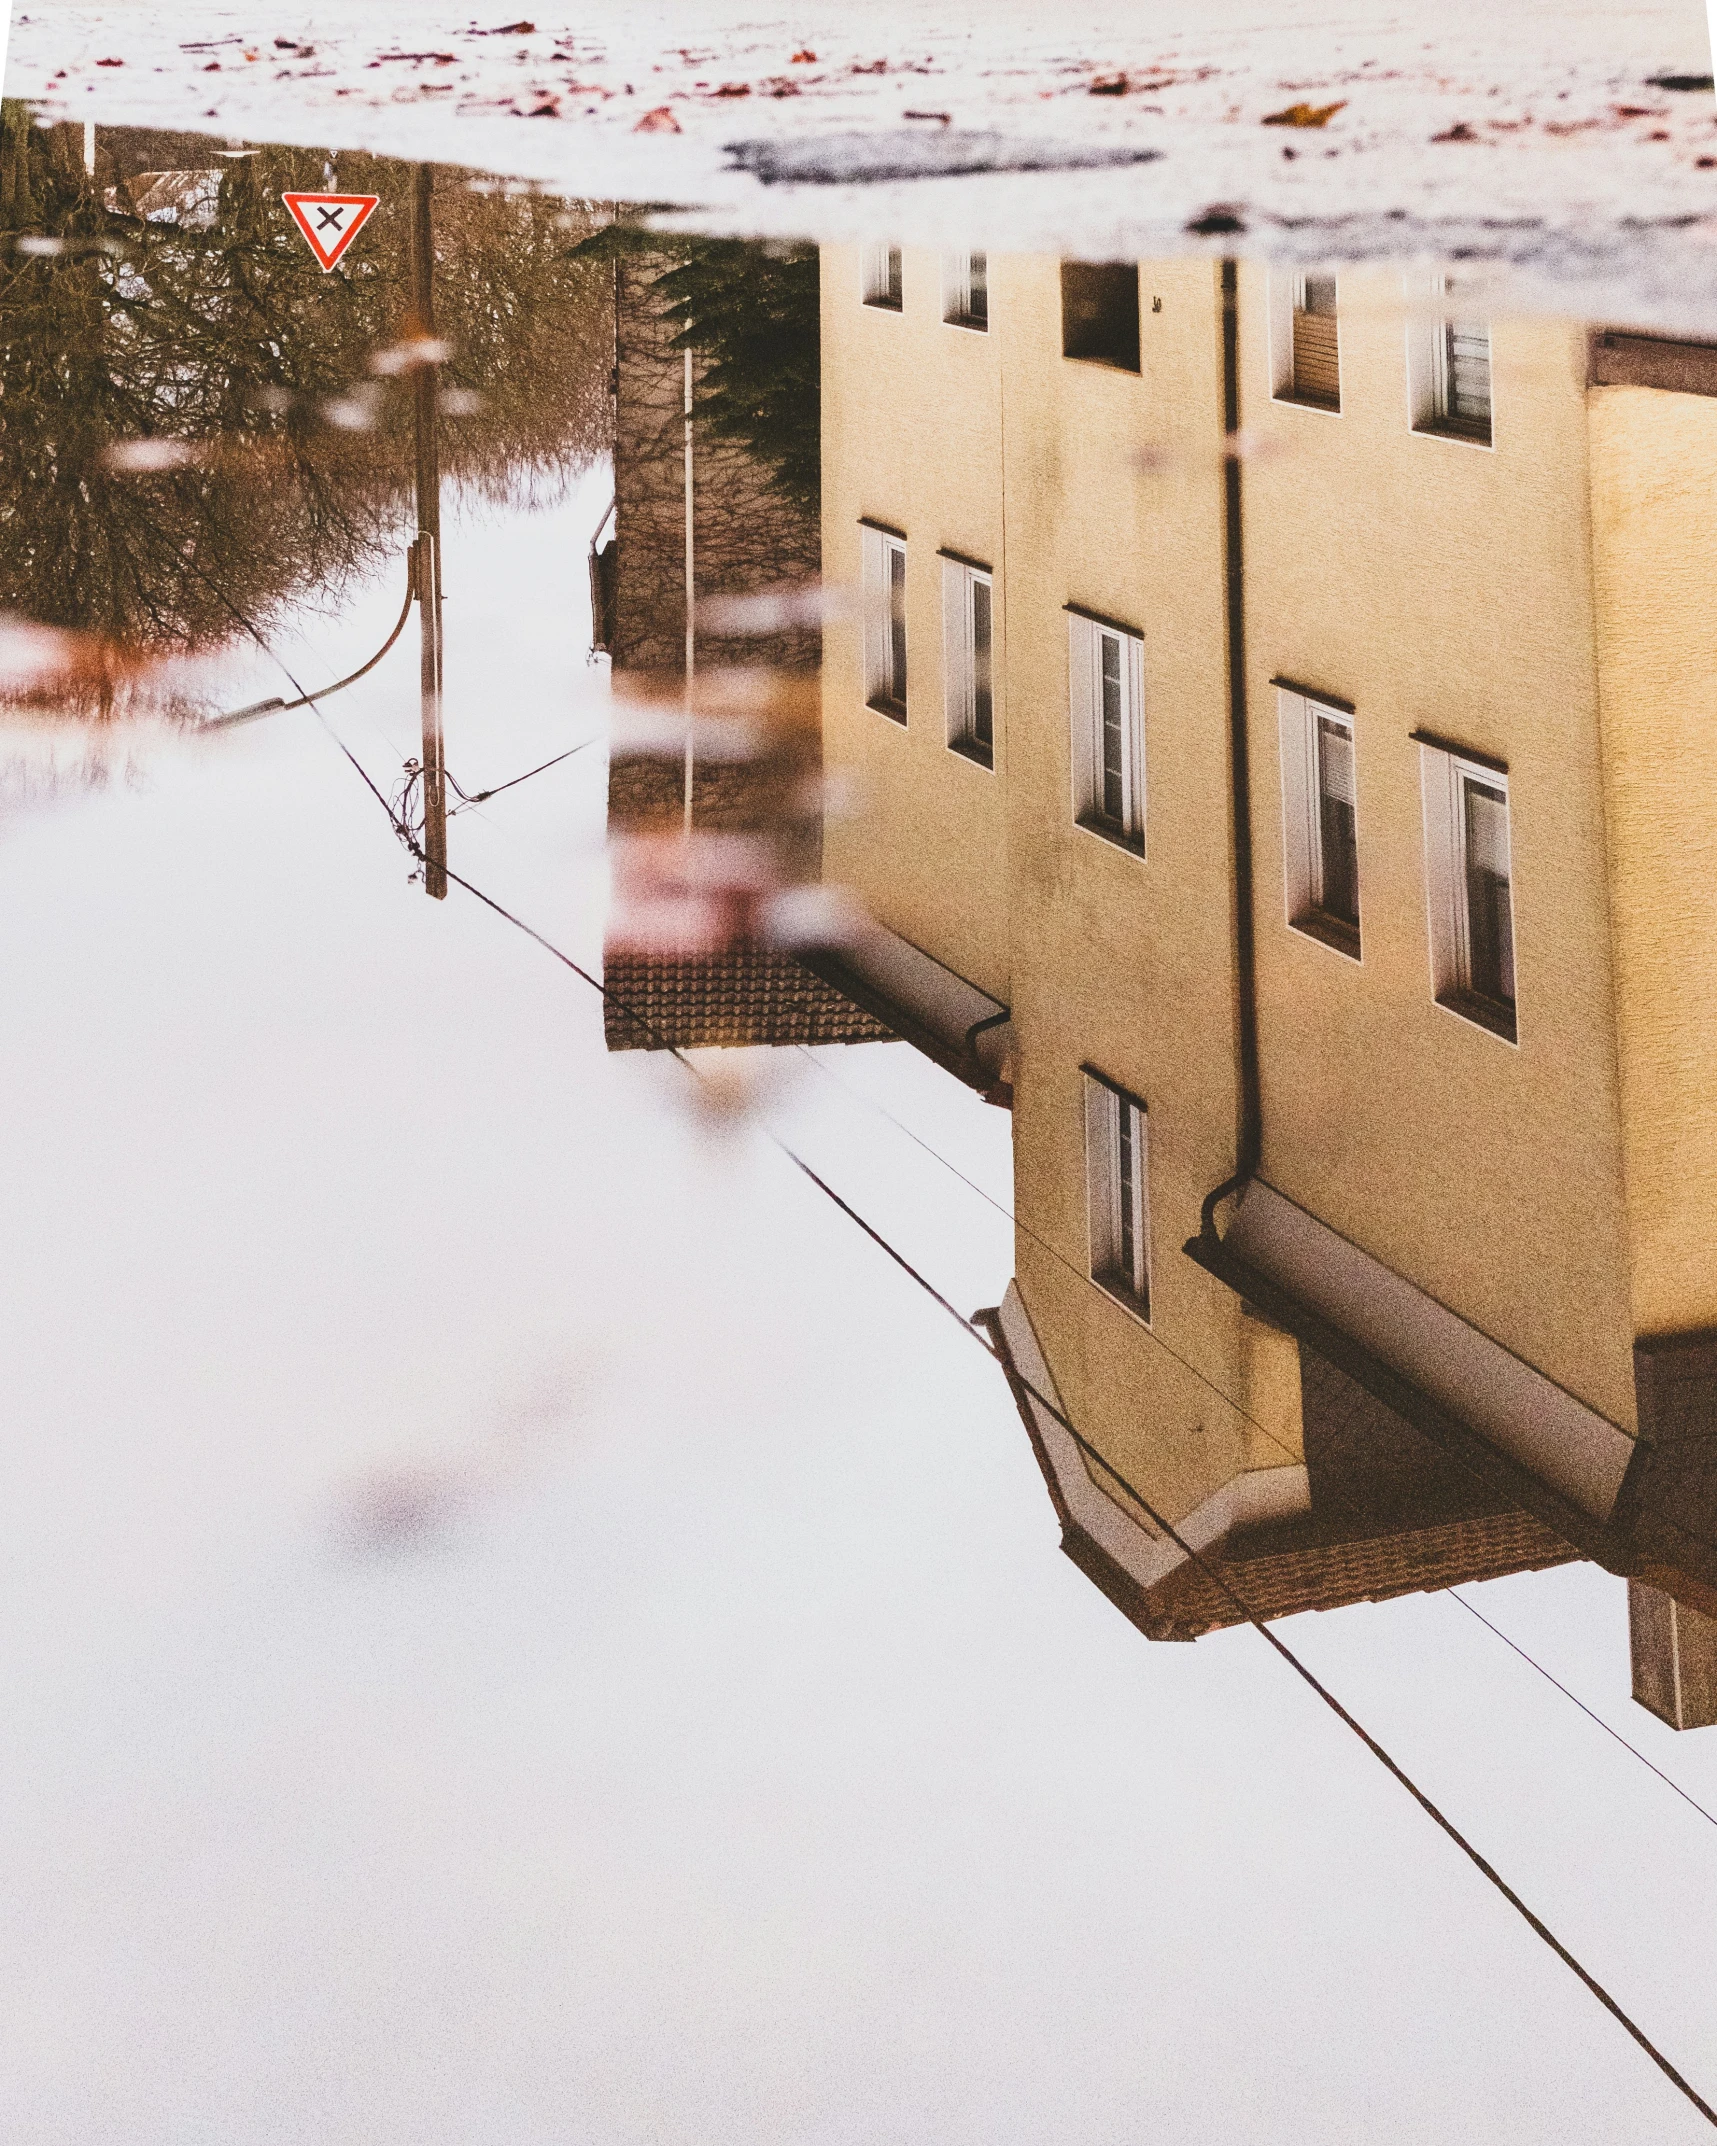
x=110 y=63
x=781 y=87
x=944 y=118
x=1459 y=132
x=1109 y=86
x=659 y=121
x=548 y=109
x=873 y=67
x=1639 y=111
x=1305 y=115
x=1218 y=221
x=734 y=89
x=807 y=58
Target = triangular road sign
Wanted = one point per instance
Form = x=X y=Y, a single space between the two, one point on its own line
x=330 y=222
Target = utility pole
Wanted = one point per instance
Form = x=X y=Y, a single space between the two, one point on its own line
x=426 y=552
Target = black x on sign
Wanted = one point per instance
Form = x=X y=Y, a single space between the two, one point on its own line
x=330 y=222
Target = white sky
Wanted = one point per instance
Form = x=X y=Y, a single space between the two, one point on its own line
x=736 y=1759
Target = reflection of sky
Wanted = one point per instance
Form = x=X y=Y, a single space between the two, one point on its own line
x=730 y=1757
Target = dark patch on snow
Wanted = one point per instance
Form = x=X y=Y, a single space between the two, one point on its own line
x=846 y=159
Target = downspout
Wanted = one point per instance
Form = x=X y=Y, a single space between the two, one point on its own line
x=1249 y=1127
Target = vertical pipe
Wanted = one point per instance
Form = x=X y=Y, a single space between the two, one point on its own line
x=1249 y=1128
x=426 y=384
x=89 y=147
x=691 y=597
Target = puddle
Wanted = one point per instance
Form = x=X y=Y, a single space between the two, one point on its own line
x=944 y=900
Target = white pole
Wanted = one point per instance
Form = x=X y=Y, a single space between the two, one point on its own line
x=691 y=596
x=89 y=147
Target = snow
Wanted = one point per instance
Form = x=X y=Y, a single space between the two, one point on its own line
x=1532 y=131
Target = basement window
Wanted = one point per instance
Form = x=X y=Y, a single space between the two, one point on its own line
x=882 y=278
x=1100 y=312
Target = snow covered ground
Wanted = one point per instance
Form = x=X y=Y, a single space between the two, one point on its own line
x=1539 y=131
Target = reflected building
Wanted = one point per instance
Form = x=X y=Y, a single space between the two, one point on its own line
x=1289 y=702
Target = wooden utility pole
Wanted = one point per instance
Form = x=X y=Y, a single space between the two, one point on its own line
x=426 y=553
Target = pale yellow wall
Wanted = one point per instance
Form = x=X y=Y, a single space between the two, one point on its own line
x=1443 y=586
x=1433 y=584
x=1654 y=482
x=912 y=437
x=1114 y=494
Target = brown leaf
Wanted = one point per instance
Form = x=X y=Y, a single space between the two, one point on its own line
x=660 y=121
x=734 y=89
x=1459 y=132
x=1109 y=86
x=807 y=58
x=1305 y=115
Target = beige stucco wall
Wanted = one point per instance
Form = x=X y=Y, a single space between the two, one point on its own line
x=912 y=438
x=1654 y=479
x=1439 y=585
x=1548 y=600
x=1123 y=961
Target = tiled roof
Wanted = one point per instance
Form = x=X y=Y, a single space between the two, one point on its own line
x=747 y=994
x=1366 y=1567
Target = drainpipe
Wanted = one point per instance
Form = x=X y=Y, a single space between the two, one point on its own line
x=1249 y=1127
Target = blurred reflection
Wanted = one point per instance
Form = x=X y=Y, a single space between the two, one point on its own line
x=1279 y=724
x=201 y=428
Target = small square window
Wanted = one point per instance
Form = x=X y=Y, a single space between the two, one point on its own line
x=1106 y=709
x=1449 y=379
x=882 y=278
x=968 y=651
x=966 y=291
x=1469 y=887
x=1117 y=1185
x=1305 y=348
x=1100 y=312
x=884 y=593
x=1320 y=842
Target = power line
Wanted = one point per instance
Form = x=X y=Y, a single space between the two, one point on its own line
x=482 y=797
x=1581 y=1704
x=1043 y=1244
x=994 y=1350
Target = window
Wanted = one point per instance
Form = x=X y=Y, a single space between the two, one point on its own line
x=1449 y=367
x=1100 y=312
x=966 y=290
x=884 y=620
x=882 y=277
x=1106 y=705
x=1469 y=885
x=1320 y=846
x=1304 y=341
x=1117 y=1156
x=968 y=668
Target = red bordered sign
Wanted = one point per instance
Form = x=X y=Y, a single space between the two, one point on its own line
x=330 y=222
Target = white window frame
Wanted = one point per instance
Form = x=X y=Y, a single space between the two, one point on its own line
x=878 y=547
x=1086 y=633
x=1298 y=714
x=1445 y=772
x=1433 y=305
x=957 y=292
x=1126 y=1280
x=1287 y=294
x=875 y=275
x=960 y=577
